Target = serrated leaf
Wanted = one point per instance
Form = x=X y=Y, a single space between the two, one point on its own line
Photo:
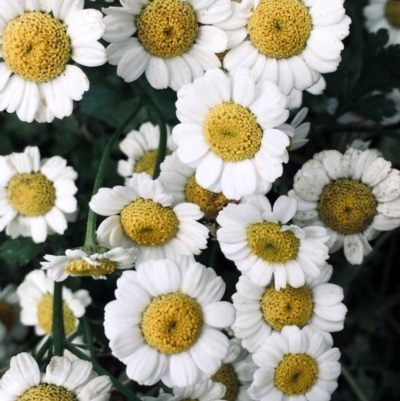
x=19 y=251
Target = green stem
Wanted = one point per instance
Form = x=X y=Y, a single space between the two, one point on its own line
x=58 y=320
x=92 y=216
x=353 y=384
x=374 y=130
x=101 y=371
x=44 y=348
x=87 y=333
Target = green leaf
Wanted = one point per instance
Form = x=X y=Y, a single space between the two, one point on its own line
x=19 y=251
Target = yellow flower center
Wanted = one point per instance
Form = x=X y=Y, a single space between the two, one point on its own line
x=347 y=206
x=280 y=28
x=172 y=323
x=167 y=28
x=210 y=203
x=7 y=315
x=147 y=162
x=148 y=223
x=80 y=267
x=36 y=46
x=47 y=392
x=270 y=244
x=392 y=13
x=296 y=374
x=287 y=307
x=227 y=376
x=31 y=194
x=232 y=132
x=45 y=315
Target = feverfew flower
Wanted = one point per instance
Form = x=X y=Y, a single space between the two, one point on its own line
x=36 y=196
x=175 y=40
x=295 y=364
x=262 y=309
x=297 y=131
x=290 y=42
x=64 y=380
x=228 y=132
x=141 y=216
x=77 y=262
x=166 y=321
x=355 y=196
x=37 y=40
x=257 y=238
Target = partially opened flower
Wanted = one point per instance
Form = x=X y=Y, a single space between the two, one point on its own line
x=77 y=262
x=64 y=380
x=295 y=364
x=290 y=42
x=141 y=216
x=262 y=309
x=36 y=300
x=228 y=132
x=297 y=130
x=166 y=321
x=355 y=196
x=36 y=196
x=175 y=40
x=38 y=39
x=257 y=238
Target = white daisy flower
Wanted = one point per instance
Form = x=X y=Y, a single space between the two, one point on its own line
x=205 y=391
x=36 y=196
x=11 y=329
x=236 y=372
x=141 y=147
x=295 y=365
x=179 y=180
x=141 y=216
x=296 y=130
x=257 y=238
x=165 y=323
x=261 y=309
x=64 y=380
x=77 y=262
x=290 y=42
x=296 y=96
x=37 y=39
x=355 y=196
x=36 y=300
x=228 y=132
x=384 y=14
x=175 y=40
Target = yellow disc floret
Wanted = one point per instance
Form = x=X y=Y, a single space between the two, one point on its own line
x=167 y=28
x=45 y=315
x=31 y=194
x=147 y=162
x=79 y=267
x=149 y=223
x=287 y=307
x=392 y=13
x=172 y=323
x=7 y=316
x=232 y=132
x=210 y=203
x=270 y=244
x=280 y=28
x=347 y=206
x=36 y=46
x=296 y=374
x=47 y=392
x=227 y=376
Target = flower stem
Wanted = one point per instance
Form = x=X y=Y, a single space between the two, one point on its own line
x=87 y=333
x=58 y=320
x=92 y=216
x=101 y=371
x=354 y=385
x=44 y=348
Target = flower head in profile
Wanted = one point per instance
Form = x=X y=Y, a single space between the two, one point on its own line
x=354 y=195
x=36 y=196
x=37 y=40
x=140 y=216
x=64 y=380
x=165 y=322
x=175 y=40
x=290 y=42
x=229 y=133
